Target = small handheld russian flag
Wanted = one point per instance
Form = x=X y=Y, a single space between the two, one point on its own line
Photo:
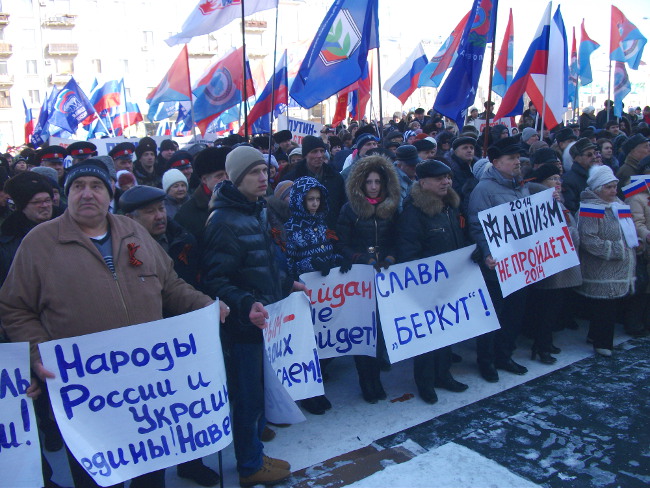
x=624 y=212
x=595 y=211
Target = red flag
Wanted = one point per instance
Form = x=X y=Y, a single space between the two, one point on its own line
x=175 y=86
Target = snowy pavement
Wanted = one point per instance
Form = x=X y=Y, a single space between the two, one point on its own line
x=582 y=422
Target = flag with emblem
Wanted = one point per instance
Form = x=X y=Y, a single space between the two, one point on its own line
x=338 y=55
x=174 y=87
x=71 y=108
x=626 y=41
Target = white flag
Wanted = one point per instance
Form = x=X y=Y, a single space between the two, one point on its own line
x=211 y=15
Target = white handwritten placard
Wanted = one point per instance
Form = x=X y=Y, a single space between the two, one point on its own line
x=433 y=303
x=529 y=238
x=20 y=451
x=344 y=311
x=137 y=399
x=290 y=347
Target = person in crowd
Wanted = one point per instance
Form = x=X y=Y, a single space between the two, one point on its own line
x=587 y=118
x=146 y=205
x=364 y=143
x=546 y=155
x=80 y=151
x=499 y=184
x=182 y=161
x=238 y=266
x=18 y=165
x=125 y=180
x=144 y=166
x=606 y=114
x=528 y=137
x=366 y=231
x=606 y=149
x=430 y=224
x=583 y=153
x=313 y=164
x=33 y=308
x=277 y=211
x=406 y=160
x=122 y=155
x=635 y=149
x=310 y=247
x=409 y=136
x=175 y=187
x=639 y=203
x=489 y=111
x=563 y=138
x=210 y=167
x=52 y=157
x=473 y=116
x=445 y=140
x=167 y=148
x=551 y=291
x=607 y=257
x=612 y=128
x=427 y=147
x=283 y=139
x=462 y=160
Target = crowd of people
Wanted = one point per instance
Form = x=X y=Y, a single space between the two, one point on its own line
x=160 y=231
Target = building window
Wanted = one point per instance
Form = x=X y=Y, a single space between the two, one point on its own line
x=34 y=97
x=3 y=68
x=5 y=99
x=64 y=67
x=32 y=67
x=97 y=65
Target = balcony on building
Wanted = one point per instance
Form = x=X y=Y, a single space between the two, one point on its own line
x=59 y=79
x=255 y=52
x=6 y=80
x=64 y=21
x=63 y=49
x=4 y=19
x=6 y=50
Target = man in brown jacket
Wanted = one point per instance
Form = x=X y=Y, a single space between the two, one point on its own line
x=89 y=271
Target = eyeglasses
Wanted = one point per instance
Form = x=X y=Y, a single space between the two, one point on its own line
x=42 y=201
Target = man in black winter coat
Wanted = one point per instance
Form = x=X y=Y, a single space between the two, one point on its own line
x=430 y=224
x=239 y=266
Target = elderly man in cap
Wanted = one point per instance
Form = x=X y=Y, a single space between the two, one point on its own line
x=122 y=155
x=314 y=164
x=109 y=293
x=426 y=146
x=635 y=148
x=210 y=167
x=240 y=266
x=81 y=150
x=499 y=184
x=431 y=209
x=462 y=160
x=574 y=182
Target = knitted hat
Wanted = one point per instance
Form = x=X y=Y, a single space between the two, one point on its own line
x=527 y=133
x=49 y=173
x=241 y=160
x=22 y=187
x=364 y=139
x=431 y=168
x=283 y=189
x=599 y=176
x=211 y=160
x=544 y=171
x=480 y=167
x=296 y=152
x=125 y=177
x=172 y=176
x=90 y=167
x=309 y=143
x=108 y=162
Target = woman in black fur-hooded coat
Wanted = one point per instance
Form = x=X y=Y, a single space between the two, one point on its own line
x=366 y=232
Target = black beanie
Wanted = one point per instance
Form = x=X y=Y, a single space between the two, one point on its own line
x=90 y=167
x=309 y=143
x=22 y=187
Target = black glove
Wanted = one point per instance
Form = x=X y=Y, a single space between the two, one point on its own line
x=324 y=269
x=346 y=266
x=387 y=262
x=477 y=256
x=321 y=264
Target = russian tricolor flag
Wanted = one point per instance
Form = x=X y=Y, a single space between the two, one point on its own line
x=405 y=80
x=637 y=186
x=624 y=212
x=259 y=118
x=108 y=95
x=595 y=211
x=544 y=82
x=29 y=122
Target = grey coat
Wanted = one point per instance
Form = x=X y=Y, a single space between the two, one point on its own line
x=607 y=262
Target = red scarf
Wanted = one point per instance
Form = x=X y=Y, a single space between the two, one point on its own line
x=375 y=201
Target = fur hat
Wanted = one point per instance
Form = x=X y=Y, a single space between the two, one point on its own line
x=171 y=177
x=544 y=171
x=240 y=161
x=168 y=145
x=22 y=187
x=282 y=135
x=211 y=160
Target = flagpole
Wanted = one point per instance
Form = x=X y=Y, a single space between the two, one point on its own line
x=489 y=100
x=245 y=95
x=381 y=104
x=609 y=89
x=275 y=54
x=189 y=84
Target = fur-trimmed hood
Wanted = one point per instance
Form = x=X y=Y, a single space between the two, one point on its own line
x=430 y=205
x=357 y=198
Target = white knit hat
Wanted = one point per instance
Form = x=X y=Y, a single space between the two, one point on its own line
x=599 y=176
x=172 y=176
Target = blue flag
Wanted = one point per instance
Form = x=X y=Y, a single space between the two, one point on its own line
x=41 y=132
x=459 y=89
x=338 y=55
x=71 y=107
